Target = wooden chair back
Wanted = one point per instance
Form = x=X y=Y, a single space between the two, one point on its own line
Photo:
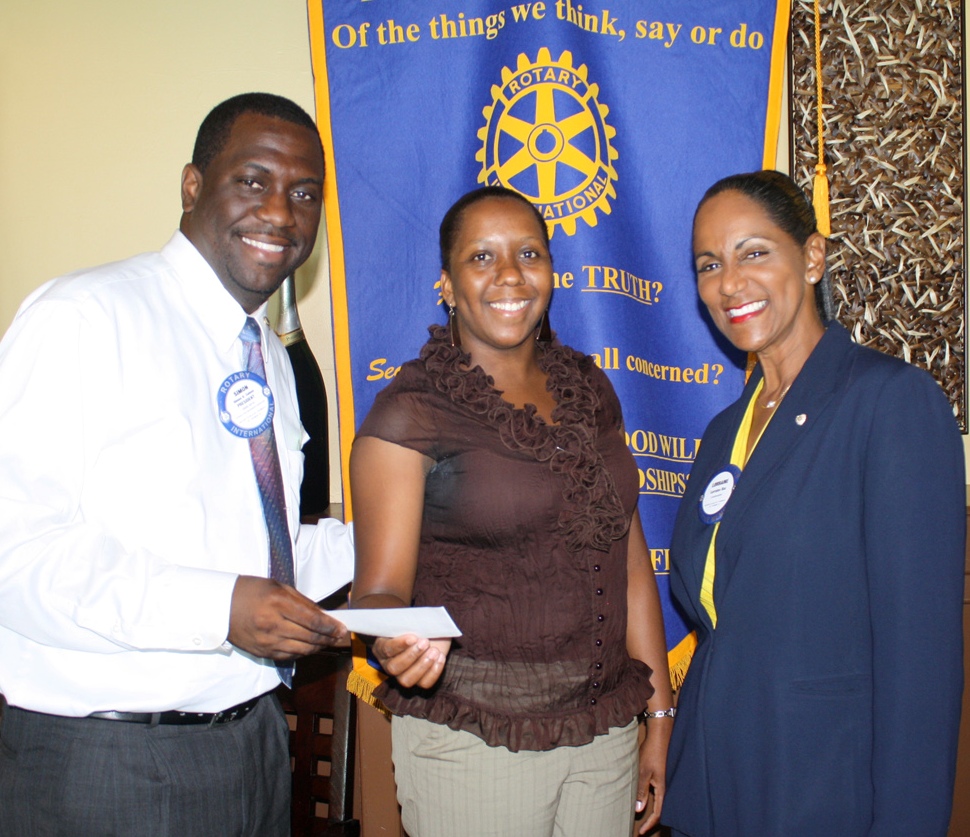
x=321 y=715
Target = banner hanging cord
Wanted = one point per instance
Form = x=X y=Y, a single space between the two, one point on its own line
x=820 y=185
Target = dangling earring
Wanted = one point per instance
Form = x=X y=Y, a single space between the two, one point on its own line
x=544 y=332
x=453 y=327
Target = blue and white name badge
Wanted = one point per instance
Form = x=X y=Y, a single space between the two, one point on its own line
x=246 y=404
x=718 y=492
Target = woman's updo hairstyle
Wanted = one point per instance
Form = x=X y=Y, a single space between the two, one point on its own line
x=451 y=223
x=788 y=207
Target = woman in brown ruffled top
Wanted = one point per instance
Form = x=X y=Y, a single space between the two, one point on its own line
x=492 y=477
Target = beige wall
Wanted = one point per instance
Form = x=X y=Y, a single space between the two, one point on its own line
x=99 y=103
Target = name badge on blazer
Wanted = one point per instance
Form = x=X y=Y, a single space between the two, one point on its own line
x=710 y=508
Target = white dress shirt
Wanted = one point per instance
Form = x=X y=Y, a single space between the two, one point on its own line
x=127 y=509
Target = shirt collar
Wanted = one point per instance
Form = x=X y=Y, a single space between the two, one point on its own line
x=222 y=317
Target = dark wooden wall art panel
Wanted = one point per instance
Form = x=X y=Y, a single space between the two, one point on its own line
x=893 y=94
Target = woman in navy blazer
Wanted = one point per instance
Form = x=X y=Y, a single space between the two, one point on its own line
x=824 y=695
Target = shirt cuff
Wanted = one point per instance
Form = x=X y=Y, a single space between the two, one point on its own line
x=190 y=613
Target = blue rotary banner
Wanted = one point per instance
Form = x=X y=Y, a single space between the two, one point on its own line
x=613 y=119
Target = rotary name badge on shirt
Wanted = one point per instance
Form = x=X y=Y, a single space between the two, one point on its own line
x=718 y=492
x=246 y=404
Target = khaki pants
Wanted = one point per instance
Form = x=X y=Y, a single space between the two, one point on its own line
x=451 y=783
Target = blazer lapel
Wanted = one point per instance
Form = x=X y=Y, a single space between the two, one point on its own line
x=810 y=395
x=716 y=451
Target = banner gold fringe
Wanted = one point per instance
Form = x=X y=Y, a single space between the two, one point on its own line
x=679 y=657
x=364 y=678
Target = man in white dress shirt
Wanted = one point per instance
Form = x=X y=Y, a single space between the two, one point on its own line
x=139 y=629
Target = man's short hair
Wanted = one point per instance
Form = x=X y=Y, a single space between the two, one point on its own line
x=216 y=127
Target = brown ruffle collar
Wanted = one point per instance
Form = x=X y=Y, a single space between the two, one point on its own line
x=592 y=515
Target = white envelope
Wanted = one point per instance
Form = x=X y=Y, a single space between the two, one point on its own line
x=428 y=622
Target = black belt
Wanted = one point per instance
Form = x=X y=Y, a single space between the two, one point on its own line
x=234 y=713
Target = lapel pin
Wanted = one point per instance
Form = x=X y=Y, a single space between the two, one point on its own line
x=800 y=419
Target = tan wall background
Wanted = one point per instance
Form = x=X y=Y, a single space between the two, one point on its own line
x=99 y=104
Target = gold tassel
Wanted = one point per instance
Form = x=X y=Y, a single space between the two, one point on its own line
x=820 y=184
x=820 y=200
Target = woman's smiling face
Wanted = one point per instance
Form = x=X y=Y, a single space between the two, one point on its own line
x=755 y=279
x=500 y=275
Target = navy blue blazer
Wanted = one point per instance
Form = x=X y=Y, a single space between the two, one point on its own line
x=828 y=699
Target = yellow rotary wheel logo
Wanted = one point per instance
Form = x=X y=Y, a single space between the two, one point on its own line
x=546 y=136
